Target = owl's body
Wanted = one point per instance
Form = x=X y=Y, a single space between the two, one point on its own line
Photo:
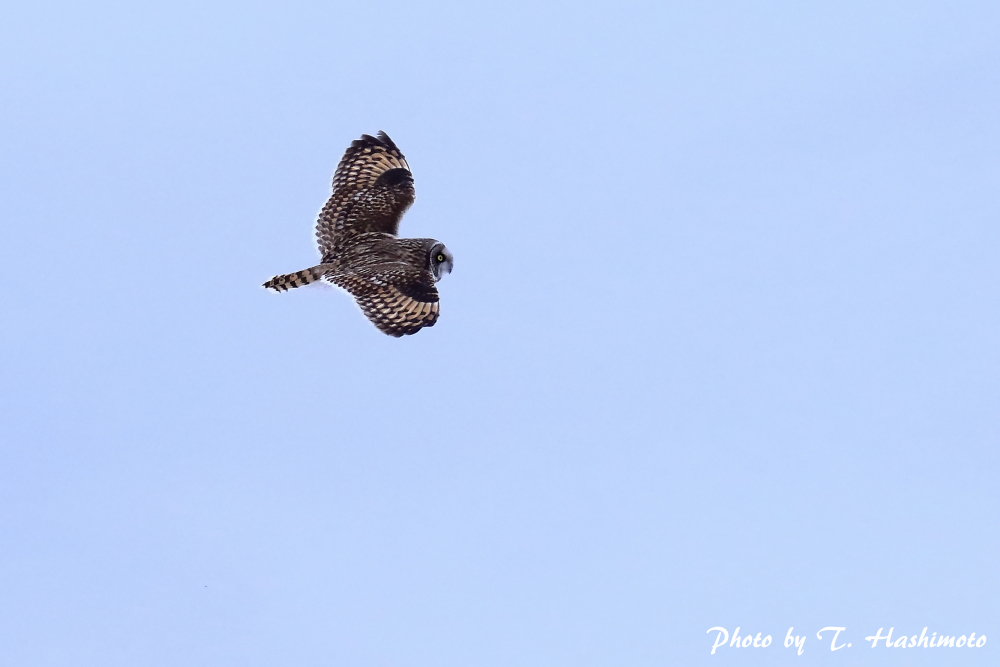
x=392 y=279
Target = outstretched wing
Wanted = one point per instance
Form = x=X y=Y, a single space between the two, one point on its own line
x=372 y=188
x=398 y=299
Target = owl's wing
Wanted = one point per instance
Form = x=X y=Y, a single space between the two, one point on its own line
x=372 y=188
x=398 y=299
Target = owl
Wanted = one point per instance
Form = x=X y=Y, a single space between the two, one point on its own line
x=392 y=279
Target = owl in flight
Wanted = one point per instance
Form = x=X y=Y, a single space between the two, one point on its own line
x=392 y=279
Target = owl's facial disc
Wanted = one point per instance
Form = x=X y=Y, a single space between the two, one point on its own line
x=441 y=261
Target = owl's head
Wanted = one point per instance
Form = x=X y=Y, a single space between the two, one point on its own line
x=441 y=261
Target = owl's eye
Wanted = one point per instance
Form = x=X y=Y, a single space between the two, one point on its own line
x=440 y=257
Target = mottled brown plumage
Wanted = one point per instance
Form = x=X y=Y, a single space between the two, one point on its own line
x=392 y=279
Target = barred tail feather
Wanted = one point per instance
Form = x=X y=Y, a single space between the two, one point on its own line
x=297 y=279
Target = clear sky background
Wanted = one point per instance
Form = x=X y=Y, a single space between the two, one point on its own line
x=720 y=347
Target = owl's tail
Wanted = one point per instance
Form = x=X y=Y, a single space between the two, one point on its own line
x=297 y=279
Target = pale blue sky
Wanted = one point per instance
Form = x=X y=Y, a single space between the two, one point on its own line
x=720 y=346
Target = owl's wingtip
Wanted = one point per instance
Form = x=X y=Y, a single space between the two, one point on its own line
x=380 y=139
x=384 y=138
